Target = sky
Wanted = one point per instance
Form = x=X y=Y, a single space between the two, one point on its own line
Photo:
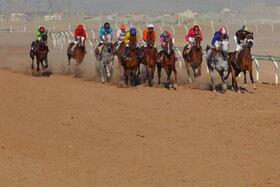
x=150 y=6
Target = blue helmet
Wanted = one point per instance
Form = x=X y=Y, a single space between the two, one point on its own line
x=133 y=31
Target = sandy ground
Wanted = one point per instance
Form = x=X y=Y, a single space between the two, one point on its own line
x=67 y=131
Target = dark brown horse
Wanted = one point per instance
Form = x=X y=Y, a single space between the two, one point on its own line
x=194 y=58
x=243 y=63
x=41 y=53
x=78 y=54
x=168 y=63
x=150 y=58
x=133 y=61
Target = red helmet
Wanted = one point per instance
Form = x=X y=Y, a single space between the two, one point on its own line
x=80 y=27
x=196 y=28
x=223 y=31
x=42 y=29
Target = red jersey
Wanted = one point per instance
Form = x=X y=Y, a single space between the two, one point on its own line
x=191 y=33
x=82 y=34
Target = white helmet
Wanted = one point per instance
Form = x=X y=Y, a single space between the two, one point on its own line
x=150 y=26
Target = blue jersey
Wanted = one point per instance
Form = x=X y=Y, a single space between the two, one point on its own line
x=218 y=37
x=103 y=31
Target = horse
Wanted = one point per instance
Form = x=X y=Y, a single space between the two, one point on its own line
x=107 y=58
x=194 y=58
x=132 y=62
x=78 y=54
x=168 y=63
x=220 y=62
x=243 y=63
x=150 y=58
x=41 y=53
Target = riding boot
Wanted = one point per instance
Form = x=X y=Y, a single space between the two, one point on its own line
x=234 y=56
x=212 y=55
x=125 y=53
x=72 y=49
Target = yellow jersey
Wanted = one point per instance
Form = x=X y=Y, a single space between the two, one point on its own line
x=127 y=37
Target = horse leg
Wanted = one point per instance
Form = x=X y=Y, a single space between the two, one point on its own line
x=134 y=77
x=126 y=71
x=236 y=75
x=167 y=70
x=175 y=73
x=139 y=71
x=47 y=63
x=108 y=71
x=212 y=79
x=252 y=79
x=245 y=79
x=194 y=74
x=152 y=74
x=199 y=70
x=148 y=74
x=159 y=72
x=224 y=85
x=101 y=73
x=188 y=70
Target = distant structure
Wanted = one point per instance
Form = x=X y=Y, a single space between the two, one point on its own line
x=58 y=5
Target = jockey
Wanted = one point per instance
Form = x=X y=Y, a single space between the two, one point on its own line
x=193 y=32
x=163 y=38
x=132 y=31
x=38 y=38
x=121 y=35
x=145 y=34
x=79 y=33
x=216 y=41
x=239 y=39
x=106 y=29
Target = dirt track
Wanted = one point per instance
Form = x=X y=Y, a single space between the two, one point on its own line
x=64 y=131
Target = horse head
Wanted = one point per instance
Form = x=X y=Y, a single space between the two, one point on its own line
x=44 y=38
x=168 y=46
x=225 y=48
x=108 y=42
x=250 y=40
x=150 y=39
x=133 y=42
x=197 y=41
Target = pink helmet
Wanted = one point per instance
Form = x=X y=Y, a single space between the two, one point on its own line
x=223 y=31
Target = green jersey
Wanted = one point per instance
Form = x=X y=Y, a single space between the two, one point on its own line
x=38 y=34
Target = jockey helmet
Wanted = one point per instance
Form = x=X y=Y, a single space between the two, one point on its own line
x=150 y=26
x=223 y=31
x=196 y=28
x=42 y=29
x=107 y=25
x=123 y=26
x=133 y=31
x=244 y=28
x=166 y=34
x=80 y=27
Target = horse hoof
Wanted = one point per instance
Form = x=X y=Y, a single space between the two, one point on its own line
x=245 y=85
x=108 y=75
x=254 y=87
x=175 y=85
x=68 y=63
x=224 y=87
x=214 y=91
x=190 y=81
x=102 y=80
x=239 y=92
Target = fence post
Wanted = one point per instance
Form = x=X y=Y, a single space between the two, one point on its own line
x=180 y=57
x=93 y=34
x=187 y=30
x=276 y=70
x=257 y=29
x=257 y=69
x=160 y=29
x=272 y=27
x=173 y=29
x=213 y=30
x=141 y=33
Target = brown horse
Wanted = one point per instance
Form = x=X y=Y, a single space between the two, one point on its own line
x=119 y=52
x=150 y=58
x=168 y=63
x=132 y=62
x=79 y=53
x=41 y=53
x=194 y=58
x=243 y=63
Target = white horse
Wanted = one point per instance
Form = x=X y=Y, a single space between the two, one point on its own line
x=107 y=58
x=220 y=62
